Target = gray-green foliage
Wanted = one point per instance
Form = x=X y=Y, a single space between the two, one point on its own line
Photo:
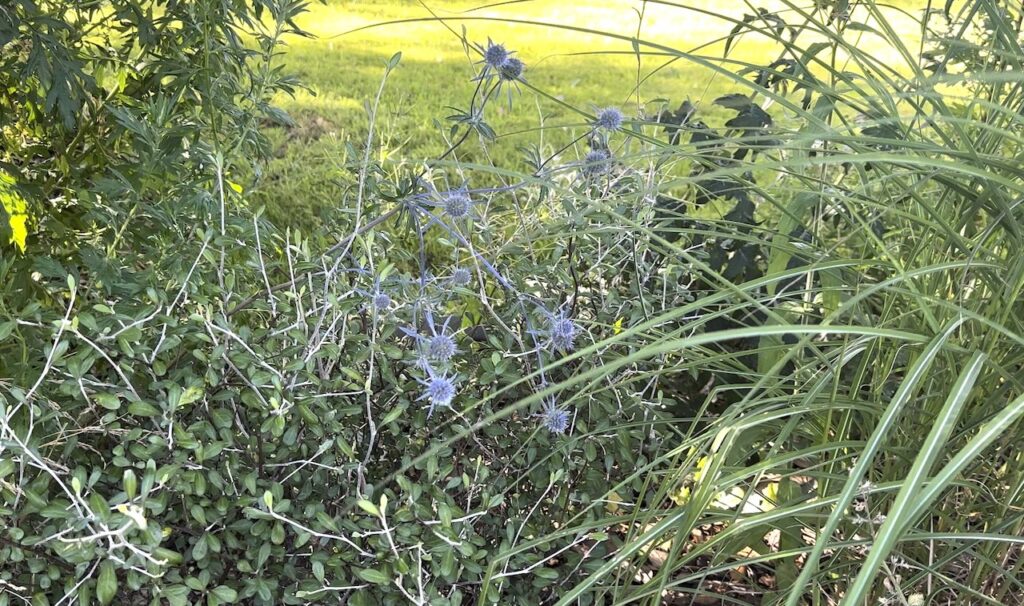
x=797 y=330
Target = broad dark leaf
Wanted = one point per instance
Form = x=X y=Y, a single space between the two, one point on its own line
x=737 y=101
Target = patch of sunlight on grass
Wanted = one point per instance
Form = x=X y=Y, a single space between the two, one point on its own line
x=344 y=63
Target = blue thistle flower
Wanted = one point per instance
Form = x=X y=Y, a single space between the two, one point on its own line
x=376 y=299
x=554 y=419
x=609 y=118
x=441 y=347
x=495 y=55
x=461 y=277
x=439 y=390
x=562 y=333
x=559 y=333
x=511 y=69
x=381 y=301
x=457 y=204
x=596 y=162
x=438 y=345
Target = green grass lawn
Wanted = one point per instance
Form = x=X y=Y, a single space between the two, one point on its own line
x=343 y=66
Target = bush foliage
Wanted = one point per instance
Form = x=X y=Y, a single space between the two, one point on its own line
x=772 y=357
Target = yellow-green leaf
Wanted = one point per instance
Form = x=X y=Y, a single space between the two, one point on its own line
x=15 y=213
x=368 y=507
x=106 y=584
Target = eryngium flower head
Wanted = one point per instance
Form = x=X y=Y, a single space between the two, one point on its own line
x=461 y=276
x=441 y=347
x=495 y=55
x=457 y=204
x=562 y=333
x=553 y=418
x=558 y=333
x=375 y=299
x=381 y=301
x=596 y=162
x=439 y=390
x=609 y=118
x=437 y=345
x=511 y=69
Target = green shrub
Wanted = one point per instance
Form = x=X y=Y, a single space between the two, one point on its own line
x=774 y=354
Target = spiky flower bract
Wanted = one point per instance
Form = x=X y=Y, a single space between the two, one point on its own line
x=457 y=204
x=381 y=301
x=495 y=55
x=461 y=276
x=559 y=333
x=436 y=346
x=562 y=333
x=441 y=347
x=438 y=390
x=511 y=69
x=554 y=419
x=376 y=299
x=596 y=162
x=609 y=118
x=510 y=73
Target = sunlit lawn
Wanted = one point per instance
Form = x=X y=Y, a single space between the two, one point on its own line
x=581 y=71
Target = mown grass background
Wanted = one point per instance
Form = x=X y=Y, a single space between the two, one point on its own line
x=343 y=63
